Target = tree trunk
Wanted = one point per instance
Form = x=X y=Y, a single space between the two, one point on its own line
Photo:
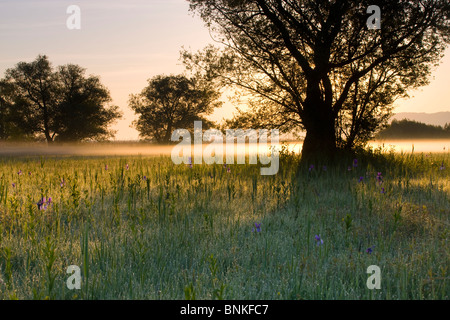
x=48 y=137
x=46 y=126
x=168 y=134
x=319 y=145
x=318 y=118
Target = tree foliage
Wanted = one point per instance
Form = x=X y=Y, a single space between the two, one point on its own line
x=316 y=65
x=59 y=105
x=409 y=129
x=172 y=102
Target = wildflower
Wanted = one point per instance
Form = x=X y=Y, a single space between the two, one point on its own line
x=127 y=167
x=19 y=173
x=379 y=178
x=145 y=178
x=355 y=163
x=383 y=191
x=63 y=183
x=106 y=167
x=190 y=162
x=361 y=179
x=225 y=166
x=311 y=167
x=442 y=166
x=43 y=203
x=369 y=250
x=13 y=185
x=258 y=227
x=319 y=240
x=40 y=203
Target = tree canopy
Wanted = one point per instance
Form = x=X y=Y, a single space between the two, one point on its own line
x=409 y=129
x=316 y=65
x=173 y=102
x=59 y=104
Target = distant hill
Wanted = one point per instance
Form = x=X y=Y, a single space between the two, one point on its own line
x=435 y=119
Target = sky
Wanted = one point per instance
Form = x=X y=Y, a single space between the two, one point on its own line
x=127 y=42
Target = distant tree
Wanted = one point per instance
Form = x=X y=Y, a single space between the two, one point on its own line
x=172 y=102
x=408 y=129
x=61 y=105
x=447 y=127
x=4 y=114
x=14 y=118
x=82 y=113
x=316 y=64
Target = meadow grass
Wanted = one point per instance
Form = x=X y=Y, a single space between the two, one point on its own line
x=143 y=228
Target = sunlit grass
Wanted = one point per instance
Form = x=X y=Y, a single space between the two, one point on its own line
x=161 y=231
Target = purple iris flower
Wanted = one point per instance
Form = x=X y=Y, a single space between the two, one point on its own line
x=355 y=163
x=40 y=203
x=369 y=250
x=13 y=185
x=44 y=203
x=257 y=227
x=379 y=178
x=361 y=179
x=319 y=240
x=382 y=190
x=311 y=167
x=145 y=178
x=19 y=173
x=442 y=166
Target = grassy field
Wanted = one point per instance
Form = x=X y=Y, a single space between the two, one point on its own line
x=143 y=228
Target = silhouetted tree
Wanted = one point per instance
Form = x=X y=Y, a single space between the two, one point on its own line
x=62 y=105
x=82 y=113
x=4 y=114
x=172 y=102
x=408 y=129
x=316 y=64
